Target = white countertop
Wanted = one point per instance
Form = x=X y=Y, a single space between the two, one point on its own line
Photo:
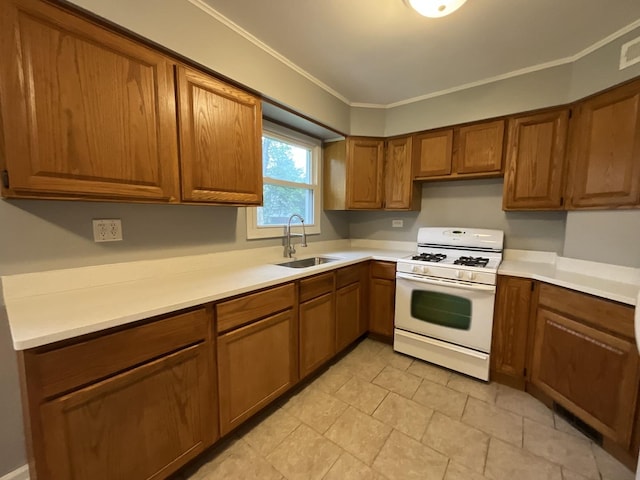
x=47 y=307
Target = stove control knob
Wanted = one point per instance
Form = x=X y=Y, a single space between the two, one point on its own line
x=425 y=270
x=415 y=269
x=472 y=276
x=458 y=274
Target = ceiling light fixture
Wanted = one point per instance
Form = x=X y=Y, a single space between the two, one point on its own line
x=435 y=8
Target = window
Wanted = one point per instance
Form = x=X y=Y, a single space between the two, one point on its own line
x=290 y=168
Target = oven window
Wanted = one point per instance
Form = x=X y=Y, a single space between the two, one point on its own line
x=441 y=309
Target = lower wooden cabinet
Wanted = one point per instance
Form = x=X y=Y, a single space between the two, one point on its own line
x=584 y=358
x=348 y=313
x=382 y=298
x=136 y=403
x=510 y=327
x=257 y=362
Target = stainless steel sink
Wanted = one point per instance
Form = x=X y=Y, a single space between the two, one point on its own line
x=307 y=262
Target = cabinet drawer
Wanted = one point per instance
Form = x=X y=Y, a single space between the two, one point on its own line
x=75 y=365
x=605 y=314
x=383 y=270
x=316 y=286
x=254 y=306
x=348 y=275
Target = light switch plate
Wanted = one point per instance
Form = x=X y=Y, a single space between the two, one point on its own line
x=107 y=230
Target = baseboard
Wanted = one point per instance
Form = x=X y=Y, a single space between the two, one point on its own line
x=21 y=473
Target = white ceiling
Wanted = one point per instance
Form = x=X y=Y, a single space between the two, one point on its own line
x=381 y=52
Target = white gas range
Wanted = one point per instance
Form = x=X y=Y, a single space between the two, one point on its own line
x=445 y=296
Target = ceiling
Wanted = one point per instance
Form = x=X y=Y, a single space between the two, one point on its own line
x=380 y=52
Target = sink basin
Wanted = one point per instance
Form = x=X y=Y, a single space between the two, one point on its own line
x=308 y=262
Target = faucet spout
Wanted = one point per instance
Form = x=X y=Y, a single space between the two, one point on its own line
x=289 y=248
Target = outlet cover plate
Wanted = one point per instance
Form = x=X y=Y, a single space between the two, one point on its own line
x=107 y=230
x=397 y=223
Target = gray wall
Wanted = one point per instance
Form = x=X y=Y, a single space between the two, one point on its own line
x=466 y=203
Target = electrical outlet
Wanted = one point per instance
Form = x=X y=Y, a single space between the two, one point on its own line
x=397 y=223
x=107 y=230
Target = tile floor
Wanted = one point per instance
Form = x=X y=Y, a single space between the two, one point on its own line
x=376 y=414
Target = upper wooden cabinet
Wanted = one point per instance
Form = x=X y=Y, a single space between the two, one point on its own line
x=365 y=162
x=433 y=153
x=604 y=153
x=535 y=159
x=85 y=113
x=220 y=141
x=401 y=192
x=469 y=151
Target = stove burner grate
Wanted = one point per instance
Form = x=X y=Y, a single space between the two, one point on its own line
x=472 y=261
x=429 y=257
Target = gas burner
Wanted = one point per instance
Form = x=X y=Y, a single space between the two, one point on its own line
x=472 y=261
x=429 y=257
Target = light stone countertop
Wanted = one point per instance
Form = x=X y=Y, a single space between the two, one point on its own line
x=47 y=307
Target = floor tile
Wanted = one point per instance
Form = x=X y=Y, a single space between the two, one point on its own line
x=441 y=398
x=304 y=455
x=474 y=388
x=394 y=359
x=569 y=475
x=335 y=377
x=610 y=467
x=429 y=371
x=563 y=426
x=404 y=415
x=562 y=448
x=458 y=441
x=493 y=420
x=364 y=362
x=316 y=408
x=268 y=434
x=237 y=462
x=506 y=462
x=456 y=471
x=521 y=403
x=359 y=434
x=403 y=458
x=347 y=467
x=395 y=380
x=361 y=394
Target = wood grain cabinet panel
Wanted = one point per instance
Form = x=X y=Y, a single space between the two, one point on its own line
x=479 y=148
x=591 y=373
x=400 y=192
x=348 y=315
x=510 y=327
x=535 y=161
x=604 y=155
x=86 y=113
x=433 y=153
x=382 y=299
x=365 y=161
x=256 y=364
x=220 y=141
x=142 y=424
x=317 y=333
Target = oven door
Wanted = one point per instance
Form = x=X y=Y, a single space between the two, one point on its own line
x=449 y=310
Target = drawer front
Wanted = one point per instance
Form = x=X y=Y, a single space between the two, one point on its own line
x=251 y=307
x=605 y=314
x=385 y=270
x=316 y=286
x=78 y=364
x=348 y=275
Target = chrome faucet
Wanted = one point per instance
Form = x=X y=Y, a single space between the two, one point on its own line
x=289 y=249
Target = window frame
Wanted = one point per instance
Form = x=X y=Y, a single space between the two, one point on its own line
x=315 y=145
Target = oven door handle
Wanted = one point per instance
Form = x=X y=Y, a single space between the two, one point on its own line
x=453 y=284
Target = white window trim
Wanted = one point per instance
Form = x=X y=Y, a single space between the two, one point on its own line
x=283 y=133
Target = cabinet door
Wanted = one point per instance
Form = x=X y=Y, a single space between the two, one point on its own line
x=432 y=153
x=348 y=314
x=382 y=306
x=256 y=364
x=364 y=173
x=317 y=333
x=141 y=424
x=480 y=148
x=510 y=327
x=86 y=113
x=535 y=161
x=604 y=147
x=220 y=141
x=400 y=191
x=591 y=373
